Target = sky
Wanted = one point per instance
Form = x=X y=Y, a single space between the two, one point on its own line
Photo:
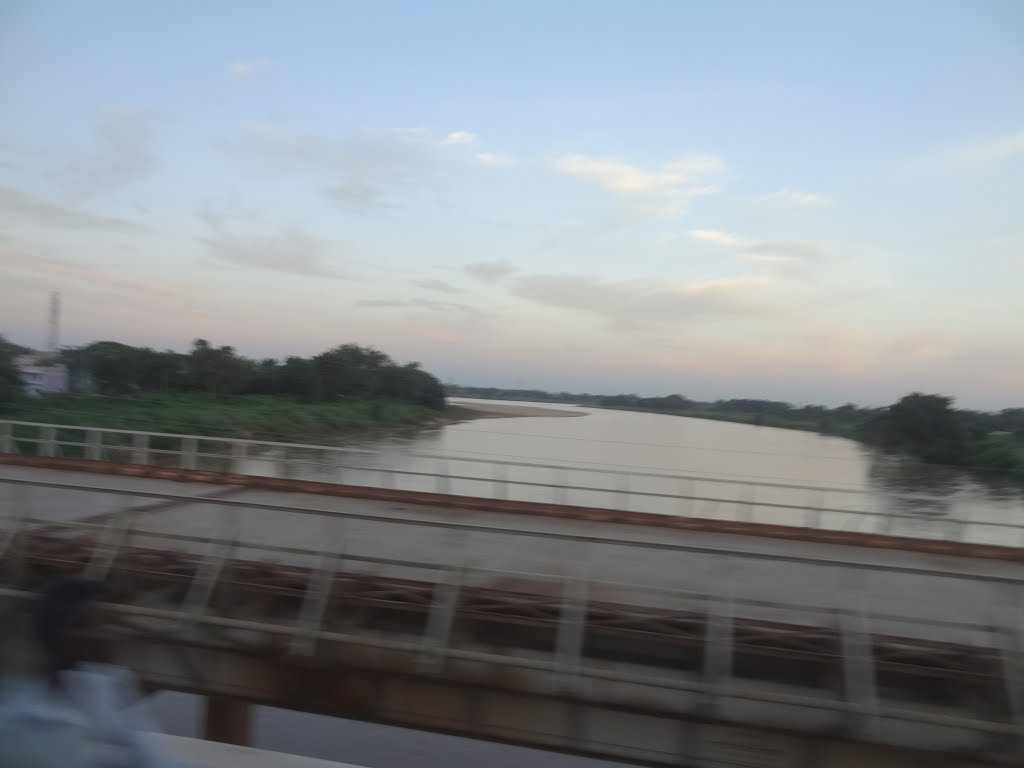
x=814 y=202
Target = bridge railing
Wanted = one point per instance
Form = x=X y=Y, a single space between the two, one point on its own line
x=619 y=488
x=456 y=556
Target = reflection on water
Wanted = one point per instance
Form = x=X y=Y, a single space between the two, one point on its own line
x=609 y=453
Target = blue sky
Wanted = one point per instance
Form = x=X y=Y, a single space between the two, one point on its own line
x=817 y=202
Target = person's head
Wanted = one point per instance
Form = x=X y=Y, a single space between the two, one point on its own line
x=68 y=620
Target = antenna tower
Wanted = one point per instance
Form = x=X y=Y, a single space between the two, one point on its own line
x=54 y=338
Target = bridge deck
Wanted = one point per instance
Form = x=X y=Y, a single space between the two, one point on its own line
x=894 y=646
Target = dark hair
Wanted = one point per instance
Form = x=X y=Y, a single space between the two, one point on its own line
x=59 y=608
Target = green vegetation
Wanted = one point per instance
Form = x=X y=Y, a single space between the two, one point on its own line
x=348 y=371
x=256 y=417
x=10 y=381
x=927 y=426
x=213 y=391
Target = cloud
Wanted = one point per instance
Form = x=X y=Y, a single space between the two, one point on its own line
x=247 y=69
x=772 y=254
x=718 y=238
x=986 y=153
x=21 y=259
x=493 y=160
x=355 y=195
x=489 y=271
x=18 y=203
x=633 y=303
x=785 y=253
x=430 y=304
x=123 y=154
x=459 y=137
x=796 y=198
x=288 y=251
x=668 y=187
x=437 y=285
x=361 y=171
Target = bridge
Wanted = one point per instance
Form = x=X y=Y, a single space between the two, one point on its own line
x=641 y=616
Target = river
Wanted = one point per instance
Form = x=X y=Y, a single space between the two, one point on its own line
x=675 y=465
x=932 y=501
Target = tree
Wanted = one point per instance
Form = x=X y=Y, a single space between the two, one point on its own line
x=925 y=426
x=217 y=371
x=300 y=379
x=10 y=380
x=112 y=367
x=411 y=383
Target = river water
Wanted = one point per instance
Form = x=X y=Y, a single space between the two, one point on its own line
x=678 y=466
x=744 y=470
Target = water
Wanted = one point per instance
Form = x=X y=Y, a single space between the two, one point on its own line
x=608 y=449
x=680 y=466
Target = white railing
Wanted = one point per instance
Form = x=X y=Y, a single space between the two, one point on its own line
x=632 y=489
x=588 y=566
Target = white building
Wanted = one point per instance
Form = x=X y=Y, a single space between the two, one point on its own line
x=40 y=374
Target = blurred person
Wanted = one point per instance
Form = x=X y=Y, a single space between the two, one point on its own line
x=81 y=712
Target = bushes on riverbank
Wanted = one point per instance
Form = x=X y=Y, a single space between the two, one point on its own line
x=257 y=417
x=927 y=427
x=214 y=391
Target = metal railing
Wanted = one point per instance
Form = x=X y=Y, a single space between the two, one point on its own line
x=577 y=578
x=744 y=500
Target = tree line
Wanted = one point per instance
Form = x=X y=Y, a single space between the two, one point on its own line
x=927 y=426
x=347 y=371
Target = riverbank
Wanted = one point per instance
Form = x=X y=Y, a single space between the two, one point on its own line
x=255 y=417
x=461 y=411
x=824 y=427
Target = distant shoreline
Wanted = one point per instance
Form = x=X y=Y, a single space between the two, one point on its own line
x=456 y=413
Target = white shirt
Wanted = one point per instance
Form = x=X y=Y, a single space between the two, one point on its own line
x=94 y=721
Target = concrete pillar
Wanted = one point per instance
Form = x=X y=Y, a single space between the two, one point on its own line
x=227 y=720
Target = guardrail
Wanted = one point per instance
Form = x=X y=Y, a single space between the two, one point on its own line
x=742 y=500
x=580 y=576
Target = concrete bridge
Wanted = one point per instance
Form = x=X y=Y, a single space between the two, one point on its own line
x=547 y=611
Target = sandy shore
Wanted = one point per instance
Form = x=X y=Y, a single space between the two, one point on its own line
x=461 y=411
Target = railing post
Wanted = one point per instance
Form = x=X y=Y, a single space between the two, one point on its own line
x=860 y=689
x=140 y=448
x=572 y=624
x=561 y=480
x=337 y=465
x=442 y=481
x=686 y=497
x=814 y=511
x=719 y=619
x=1012 y=657
x=319 y=590
x=94 y=445
x=48 y=447
x=6 y=439
x=623 y=491
x=237 y=455
x=444 y=604
x=188 y=453
x=500 y=481
x=745 y=504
